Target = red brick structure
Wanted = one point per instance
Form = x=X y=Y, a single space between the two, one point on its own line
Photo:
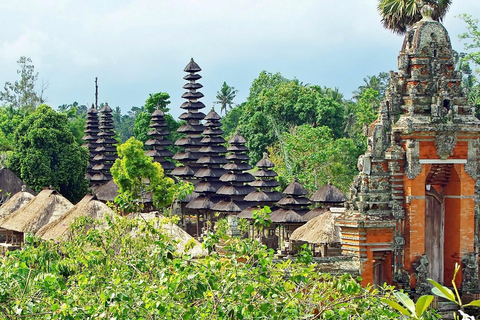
x=414 y=208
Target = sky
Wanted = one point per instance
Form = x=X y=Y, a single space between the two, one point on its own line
x=139 y=47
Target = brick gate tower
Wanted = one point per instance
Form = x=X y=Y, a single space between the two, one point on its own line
x=414 y=208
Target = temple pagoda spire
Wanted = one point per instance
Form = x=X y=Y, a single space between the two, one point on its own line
x=158 y=141
x=193 y=128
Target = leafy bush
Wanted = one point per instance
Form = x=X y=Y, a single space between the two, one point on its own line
x=115 y=273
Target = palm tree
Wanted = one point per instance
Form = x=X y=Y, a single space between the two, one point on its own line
x=398 y=15
x=225 y=97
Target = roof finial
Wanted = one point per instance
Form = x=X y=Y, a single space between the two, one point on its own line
x=427 y=12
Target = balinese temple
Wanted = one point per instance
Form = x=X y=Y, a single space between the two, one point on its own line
x=157 y=141
x=192 y=129
x=293 y=208
x=236 y=178
x=413 y=210
x=212 y=159
x=90 y=138
x=263 y=195
x=106 y=152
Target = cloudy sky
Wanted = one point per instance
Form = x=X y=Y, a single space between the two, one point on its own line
x=137 y=47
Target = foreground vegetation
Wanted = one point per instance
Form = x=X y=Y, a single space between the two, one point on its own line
x=120 y=274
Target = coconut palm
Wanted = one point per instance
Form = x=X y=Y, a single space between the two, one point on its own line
x=225 y=97
x=398 y=15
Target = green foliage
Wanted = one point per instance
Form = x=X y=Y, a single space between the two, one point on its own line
x=472 y=45
x=142 y=117
x=128 y=269
x=408 y=308
x=157 y=100
x=10 y=119
x=398 y=15
x=46 y=154
x=281 y=104
x=142 y=126
x=315 y=164
x=472 y=38
x=136 y=175
x=261 y=219
x=230 y=121
x=77 y=117
x=446 y=293
x=305 y=254
x=22 y=94
x=225 y=97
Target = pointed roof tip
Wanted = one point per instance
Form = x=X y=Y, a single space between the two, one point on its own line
x=192 y=67
x=295 y=188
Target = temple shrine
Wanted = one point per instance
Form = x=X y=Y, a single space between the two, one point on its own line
x=414 y=208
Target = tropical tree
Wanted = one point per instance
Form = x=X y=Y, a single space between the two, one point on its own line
x=378 y=83
x=23 y=94
x=315 y=164
x=225 y=97
x=398 y=15
x=281 y=104
x=46 y=154
x=136 y=175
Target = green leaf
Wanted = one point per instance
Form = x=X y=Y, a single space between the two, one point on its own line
x=474 y=303
x=397 y=307
x=442 y=291
x=422 y=304
x=405 y=300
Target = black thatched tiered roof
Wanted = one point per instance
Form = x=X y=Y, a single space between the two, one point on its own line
x=235 y=178
x=90 y=138
x=158 y=141
x=263 y=195
x=106 y=151
x=212 y=158
x=192 y=128
x=329 y=194
x=294 y=206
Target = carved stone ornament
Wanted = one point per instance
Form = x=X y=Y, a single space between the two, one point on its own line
x=413 y=166
x=470 y=273
x=423 y=286
x=471 y=166
x=445 y=141
x=397 y=211
x=398 y=242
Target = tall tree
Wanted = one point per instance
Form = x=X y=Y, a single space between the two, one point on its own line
x=398 y=15
x=46 y=154
x=225 y=97
x=23 y=94
x=378 y=83
x=136 y=175
x=472 y=46
x=283 y=103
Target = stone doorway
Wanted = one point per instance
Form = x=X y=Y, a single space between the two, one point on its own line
x=434 y=232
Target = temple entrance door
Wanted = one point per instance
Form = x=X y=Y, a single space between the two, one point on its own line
x=434 y=233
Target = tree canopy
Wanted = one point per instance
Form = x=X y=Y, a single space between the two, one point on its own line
x=398 y=15
x=45 y=154
x=225 y=97
x=137 y=175
x=281 y=104
x=23 y=94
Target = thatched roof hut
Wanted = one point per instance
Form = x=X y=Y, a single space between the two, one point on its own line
x=178 y=234
x=46 y=207
x=89 y=206
x=10 y=183
x=319 y=230
x=17 y=201
x=107 y=192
